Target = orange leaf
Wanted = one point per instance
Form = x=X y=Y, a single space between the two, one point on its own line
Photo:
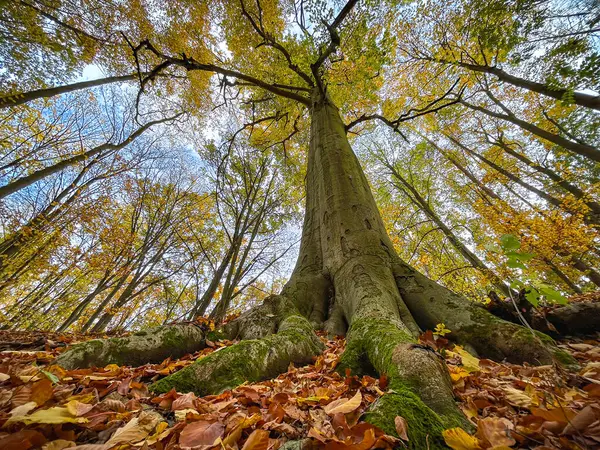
x=258 y=440
x=495 y=431
x=554 y=415
x=344 y=405
x=41 y=391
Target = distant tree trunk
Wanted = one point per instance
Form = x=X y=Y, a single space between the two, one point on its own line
x=482 y=190
x=550 y=199
x=473 y=259
x=209 y=294
x=560 y=181
x=590 y=272
x=572 y=286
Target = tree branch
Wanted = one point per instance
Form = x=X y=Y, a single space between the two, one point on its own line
x=270 y=41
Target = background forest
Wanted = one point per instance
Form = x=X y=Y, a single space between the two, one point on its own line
x=135 y=193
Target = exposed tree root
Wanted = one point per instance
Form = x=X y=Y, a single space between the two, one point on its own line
x=249 y=360
x=572 y=319
x=420 y=389
x=472 y=326
x=154 y=345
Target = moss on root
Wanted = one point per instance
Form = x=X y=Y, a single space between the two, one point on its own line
x=498 y=339
x=418 y=381
x=251 y=360
x=423 y=425
x=143 y=347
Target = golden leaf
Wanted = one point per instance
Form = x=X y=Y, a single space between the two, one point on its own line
x=344 y=405
x=459 y=439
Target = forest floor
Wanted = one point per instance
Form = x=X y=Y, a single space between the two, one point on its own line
x=512 y=406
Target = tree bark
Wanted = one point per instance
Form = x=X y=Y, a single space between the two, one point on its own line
x=153 y=345
x=579 y=98
x=584 y=150
x=25 y=97
x=348 y=276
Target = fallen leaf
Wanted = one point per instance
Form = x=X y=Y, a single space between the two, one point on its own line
x=186 y=401
x=201 y=433
x=41 y=391
x=344 y=405
x=135 y=430
x=459 y=439
x=258 y=440
x=554 y=415
x=495 y=431
x=401 y=427
x=181 y=414
x=367 y=442
x=584 y=418
x=22 y=440
x=469 y=362
x=517 y=398
x=78 y=409
x=56 y=415
x=59 y=444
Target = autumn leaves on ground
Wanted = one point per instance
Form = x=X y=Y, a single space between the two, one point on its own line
x=511 y=406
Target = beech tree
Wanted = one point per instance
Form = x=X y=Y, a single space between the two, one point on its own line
x=307 y=80
x=321 y=70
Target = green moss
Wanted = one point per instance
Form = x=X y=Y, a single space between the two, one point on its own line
x=355 y=360
x=423 y=425
x=215 y=335
x=172 y=338
x=565 y=359
x=250 y=360
x=374 y=345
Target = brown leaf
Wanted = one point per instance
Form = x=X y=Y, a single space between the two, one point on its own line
x=366 y=443
x=41 y=391
x=22 y=440
x=78 y=409
x=135 y=430
x=258 y=440
x=554 y=415
x=201 y=433
x=586 y=417
x=59 y=444
x=495 y=431
x=186 y=401
x=401 y=427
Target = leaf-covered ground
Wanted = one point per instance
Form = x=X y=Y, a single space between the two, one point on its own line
x=512 y=406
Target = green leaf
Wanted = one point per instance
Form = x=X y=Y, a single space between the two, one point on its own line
x=516 y=285
x=533 y=296
x=552 y=294
x=51 y=377
x=514 y=263
x=510 y=242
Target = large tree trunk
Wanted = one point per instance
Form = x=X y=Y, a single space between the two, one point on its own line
x=349 y=278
